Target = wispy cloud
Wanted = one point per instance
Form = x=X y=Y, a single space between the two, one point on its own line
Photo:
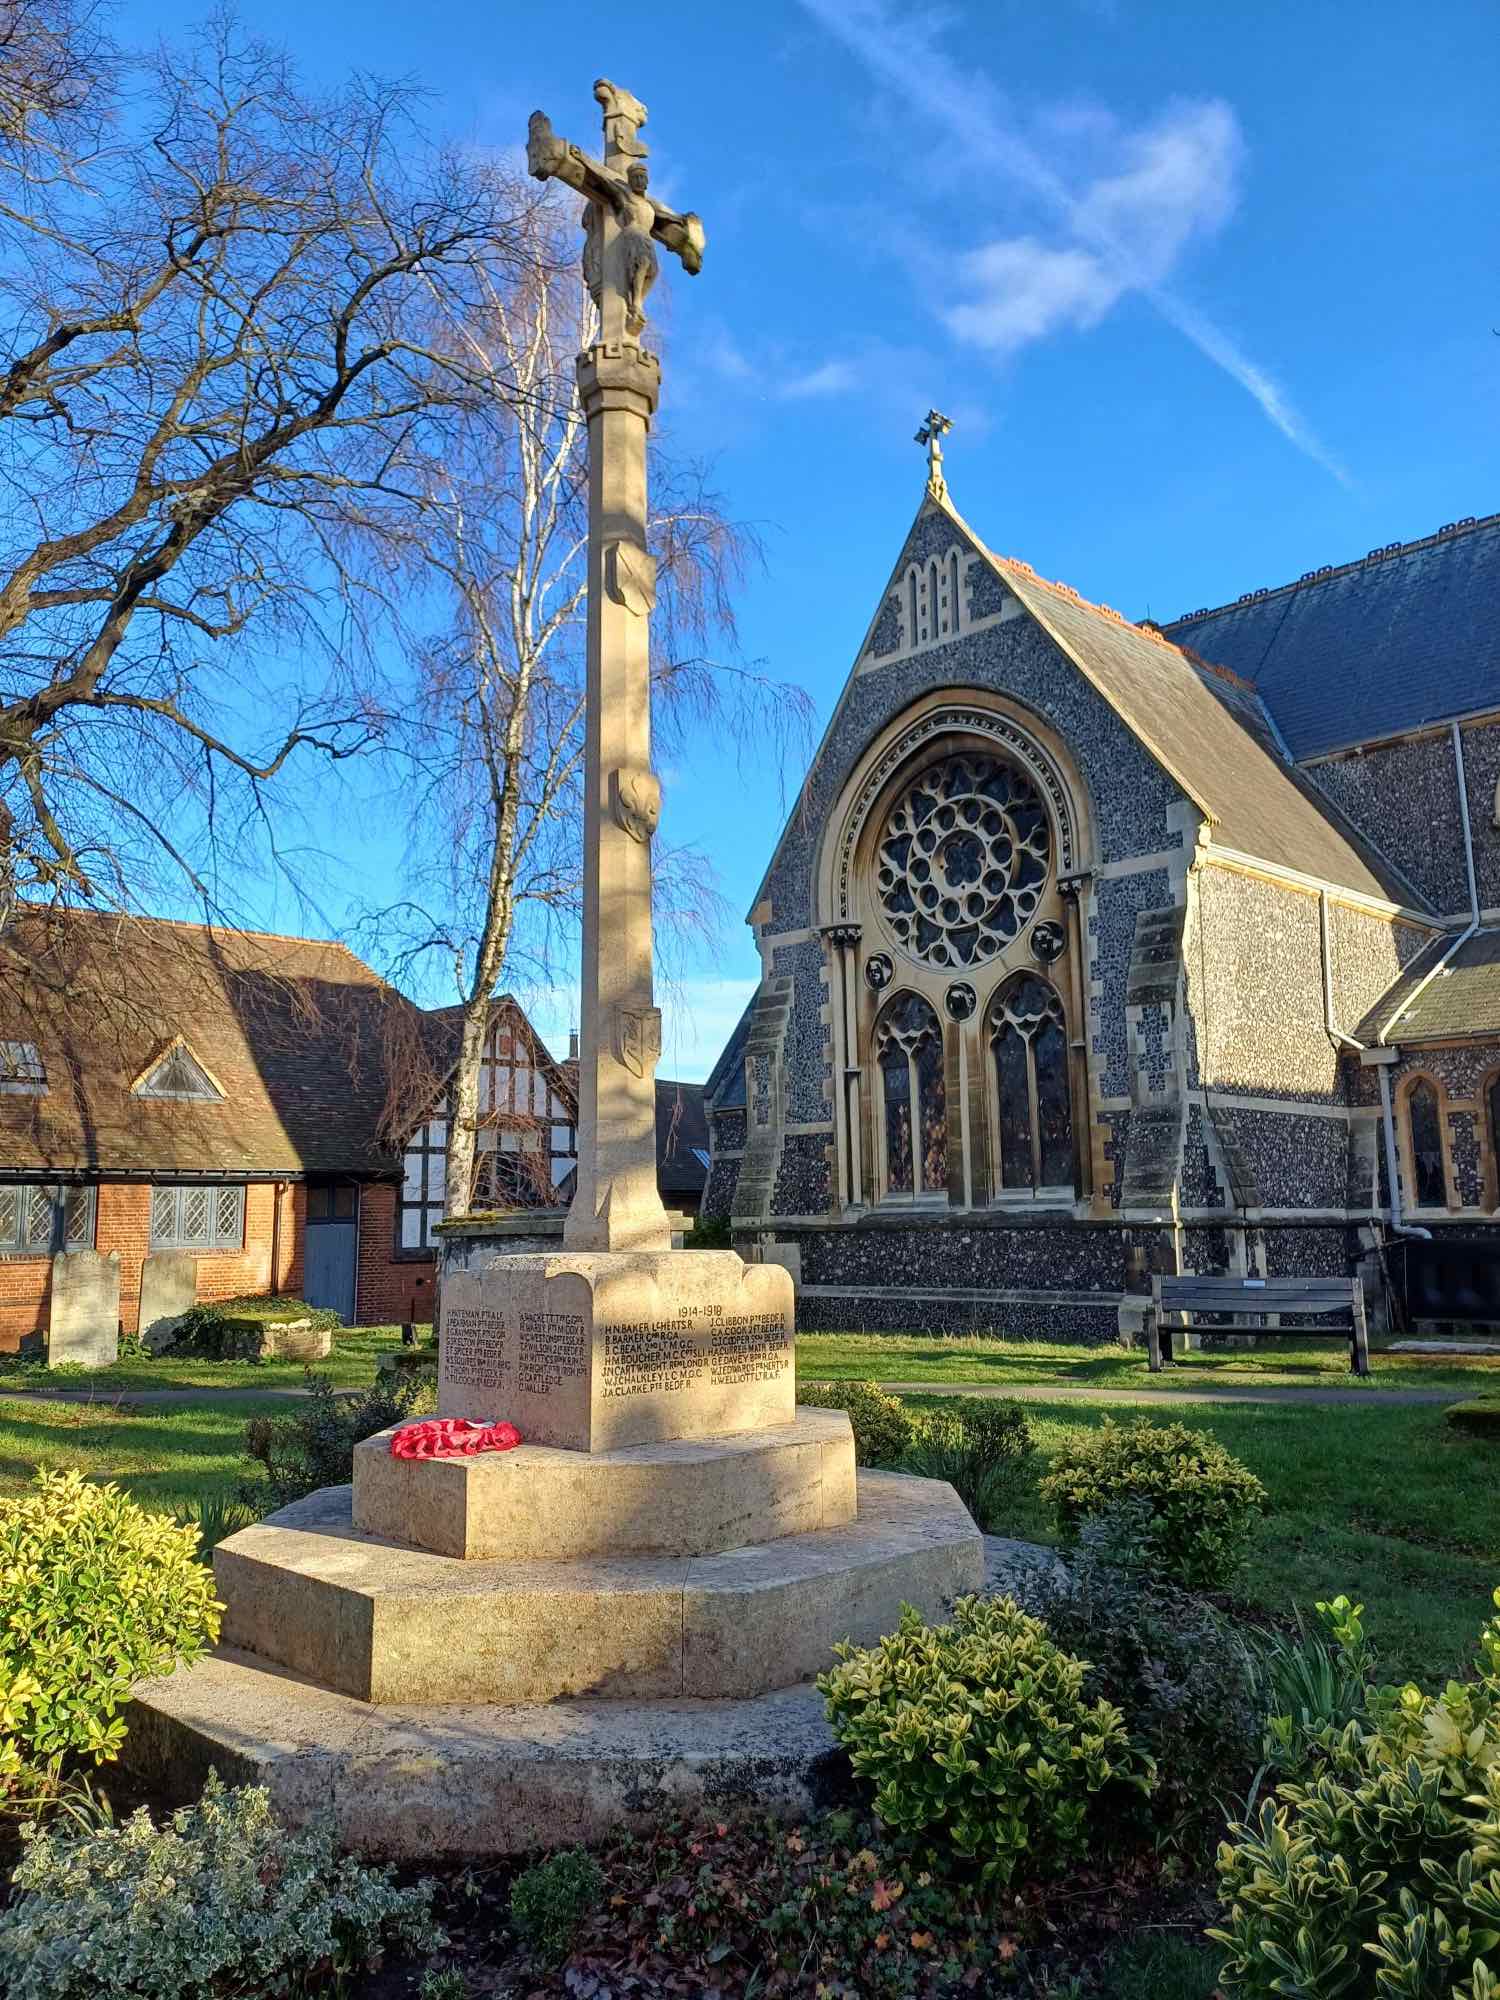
x=1127 y=218
x=832 y=378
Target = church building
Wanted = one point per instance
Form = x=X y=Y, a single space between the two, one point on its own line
x=1094 y=948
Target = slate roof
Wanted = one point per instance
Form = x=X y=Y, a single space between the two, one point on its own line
x=1462 y=1003
x=681 y=1134
x=1408 y=636
x=295 y=1031
x=725 y=1088
x=1209 y=732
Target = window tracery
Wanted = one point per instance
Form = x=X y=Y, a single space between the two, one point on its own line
x=963 y=859
x=1424 y=1128
x=1033 y=1112
x=909 y=1059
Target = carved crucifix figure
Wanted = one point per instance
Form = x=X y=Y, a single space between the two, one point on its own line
x=623 y=222
x=617 y=1205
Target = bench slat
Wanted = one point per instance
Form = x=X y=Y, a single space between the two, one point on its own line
x=1291 y=1296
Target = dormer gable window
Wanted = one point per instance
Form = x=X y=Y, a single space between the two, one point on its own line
x=177 y=1073
x=22 y=1071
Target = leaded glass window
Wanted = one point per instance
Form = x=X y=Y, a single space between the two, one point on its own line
x=37 y=1220
x=1424 y=1120
x=1033 y=1105
x=22 y=1071
x=197 y=1217
x=914 y=1104
x=179 y=1074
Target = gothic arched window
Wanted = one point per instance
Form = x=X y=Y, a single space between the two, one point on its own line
x=1033 y=1113
x=1424 y=1126
x=914 y=1103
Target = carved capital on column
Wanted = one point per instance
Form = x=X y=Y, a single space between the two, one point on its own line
x=635 y=802
x=638 y=1038
x=845 y=936
x=618 y=375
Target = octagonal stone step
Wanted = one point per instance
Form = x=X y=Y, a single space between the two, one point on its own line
x=387 y=1623
x=544 y=1503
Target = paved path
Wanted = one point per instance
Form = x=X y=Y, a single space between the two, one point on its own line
x=108 y=1398
x=1027 y=1392
x=1071 y=1392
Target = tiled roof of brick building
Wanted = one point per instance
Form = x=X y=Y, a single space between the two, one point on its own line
x=295 y=1032
x=1409 y=635
x=1463 y=1001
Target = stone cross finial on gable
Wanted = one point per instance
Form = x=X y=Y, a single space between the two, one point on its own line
x=623 y=223
x=932 y=433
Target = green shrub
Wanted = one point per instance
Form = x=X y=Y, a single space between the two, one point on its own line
x=1375 y=1874
x=978 y=1737
x=223 y=1900
x=709 y=1232
x=1202 y=1501
x=884 y=1428
x=217 y=1330
x=1317 y=1681
x=982 y=1446
x=95 y=1594
x=1178 y=1671
x=214 y=1518
x=314 y=1445
x=549 y=1901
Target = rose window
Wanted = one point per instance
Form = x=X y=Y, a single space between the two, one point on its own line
x=962 y=860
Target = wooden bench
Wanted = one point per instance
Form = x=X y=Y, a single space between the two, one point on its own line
x=1244 y=1303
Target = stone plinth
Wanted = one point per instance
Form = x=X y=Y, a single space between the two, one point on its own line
x=600 y=1350
x=386 y=1623
x=411 y=1783
x=84 y=1322
x=542 y=1503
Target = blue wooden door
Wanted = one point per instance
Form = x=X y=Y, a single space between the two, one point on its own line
x=331 y=1249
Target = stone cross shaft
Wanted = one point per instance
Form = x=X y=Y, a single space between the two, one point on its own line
x=617 y=1205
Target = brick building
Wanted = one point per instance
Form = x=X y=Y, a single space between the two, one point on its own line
x=268 y=1103
x=1093 y=947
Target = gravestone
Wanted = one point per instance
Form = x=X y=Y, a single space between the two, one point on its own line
x=85 y=1318
x=169 y=1289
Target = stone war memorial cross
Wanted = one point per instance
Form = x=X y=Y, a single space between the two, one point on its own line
x=490 y=1654
x=618 y=1340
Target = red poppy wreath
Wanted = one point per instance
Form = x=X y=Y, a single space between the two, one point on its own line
x=452 y=1437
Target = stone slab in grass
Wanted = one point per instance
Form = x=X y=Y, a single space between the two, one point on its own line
x=1479 y=1418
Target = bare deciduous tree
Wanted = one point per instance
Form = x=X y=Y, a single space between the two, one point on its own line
x=224 y=314
x=495 y=731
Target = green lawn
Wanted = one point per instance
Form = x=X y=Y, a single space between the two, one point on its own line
x=1385 y=1504
x=888 y=1357
x=163 y=1455
x=351 y=1366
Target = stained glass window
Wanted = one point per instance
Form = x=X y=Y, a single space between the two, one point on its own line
x=1033 y=1101
x=909 y=1055
x=1424 y=1119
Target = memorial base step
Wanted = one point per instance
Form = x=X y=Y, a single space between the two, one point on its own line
x=388 y=1623
x=541 y=1503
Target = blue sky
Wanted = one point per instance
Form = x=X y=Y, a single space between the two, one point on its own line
x=1209 y=293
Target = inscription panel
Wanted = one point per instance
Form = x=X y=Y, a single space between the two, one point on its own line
x=551 y=1349
x=474 y=1344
